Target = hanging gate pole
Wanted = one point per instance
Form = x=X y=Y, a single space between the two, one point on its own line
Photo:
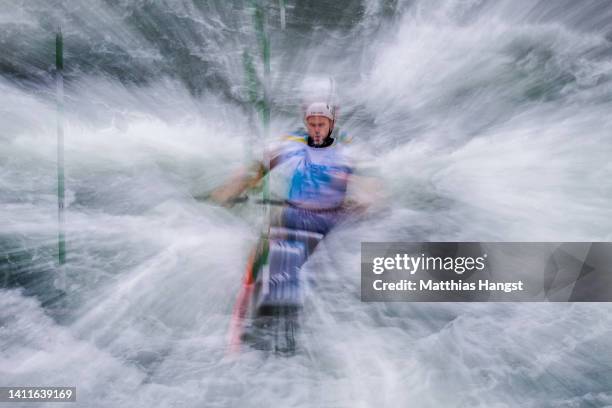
x=59 y=82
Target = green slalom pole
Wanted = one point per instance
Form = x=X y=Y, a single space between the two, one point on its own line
x=59 y=82
x=259 y=19
x=258 y=97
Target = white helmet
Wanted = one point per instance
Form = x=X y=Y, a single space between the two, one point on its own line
x=321 y=109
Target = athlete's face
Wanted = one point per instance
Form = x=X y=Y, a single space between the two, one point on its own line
x=318 y=128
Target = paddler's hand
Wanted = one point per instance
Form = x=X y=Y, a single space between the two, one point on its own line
x=223 y=196
x=365 y=194
x=354 y=207
x=227 y=195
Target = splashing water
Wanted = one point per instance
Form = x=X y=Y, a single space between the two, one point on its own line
x=486 y=121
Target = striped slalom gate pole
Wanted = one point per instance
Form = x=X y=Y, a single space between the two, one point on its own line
x=59 y=88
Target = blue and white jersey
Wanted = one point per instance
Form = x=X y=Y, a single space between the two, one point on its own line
x=319 y=174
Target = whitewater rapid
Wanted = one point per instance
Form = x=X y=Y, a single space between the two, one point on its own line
x=483 y=121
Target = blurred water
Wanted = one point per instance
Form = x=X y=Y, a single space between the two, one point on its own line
x=485 y=121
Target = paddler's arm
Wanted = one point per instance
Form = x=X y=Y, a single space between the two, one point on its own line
x=365 y=192
x=239 y=183
x=247 y=178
